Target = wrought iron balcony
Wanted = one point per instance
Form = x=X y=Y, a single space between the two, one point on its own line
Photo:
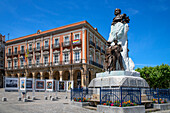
x=65 y=44
x=9 y=54
x=97 y=47
x=103 y=51
x=46 y=47
x=57 y=45
x=96 y=64
x=92 y=43
x=21 y=52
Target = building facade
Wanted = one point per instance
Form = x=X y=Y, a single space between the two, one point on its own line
x=73 y=52
x=2 y=59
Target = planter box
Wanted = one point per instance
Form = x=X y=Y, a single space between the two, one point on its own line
x=114 y=109
x=80 y=104
x=165 y=106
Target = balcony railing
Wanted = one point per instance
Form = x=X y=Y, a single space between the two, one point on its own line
x=15 y=53
x=8 y=54
x=57 y=45
x=92 y=43
x=46 y=47
x=21 y=52
x=103 y=51
x=65 y=44
x=97 y=47
x=96 y=64
x=37 y=48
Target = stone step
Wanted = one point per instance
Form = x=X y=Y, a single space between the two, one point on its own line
x=165 y=111
x=151 y=110
x=90 y=107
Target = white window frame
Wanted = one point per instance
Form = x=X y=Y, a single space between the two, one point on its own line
x=37 y=63
x=57 y=62
x=16 y=51
x=29 y=62
x=45 y=43
x=15 y=63
x=45 y=59
x=67 y=62
x=9 y=64
x=30 y=47
x=37 y=45
x=21 y=48
x=77 y=34
x=22 y=66
x=10 y=51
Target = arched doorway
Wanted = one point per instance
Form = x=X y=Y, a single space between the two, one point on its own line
x=30 y=75
x=46 y=75
x=77 y=79
x=37 y=75
x=9 y=75
x=22 y=75
x=16 y=75
x=66 y=75
x=56 y=75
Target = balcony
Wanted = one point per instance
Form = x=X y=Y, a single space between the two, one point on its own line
x=92 y=43
x=76 y=42
x=15 y=53
x=21 y=52
x=37 y=48
x=97 y=47
x=57 y=45
x=30 y=50
x=96 y=64
x=46 y=47
x=8 y=54
x=66 y=44
x=102 y=51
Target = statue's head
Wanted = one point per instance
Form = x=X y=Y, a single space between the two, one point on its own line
x=117 y=11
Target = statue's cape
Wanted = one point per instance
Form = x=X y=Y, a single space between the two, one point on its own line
x=116 y=29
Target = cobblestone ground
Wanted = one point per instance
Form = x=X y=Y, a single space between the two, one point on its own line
x=40 y=105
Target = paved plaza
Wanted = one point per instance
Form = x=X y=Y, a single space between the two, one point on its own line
x=39 y=105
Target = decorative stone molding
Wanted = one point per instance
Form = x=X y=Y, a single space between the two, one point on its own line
x=45 y=53
x=76 y=49
x=29 y=55
x=66 y=50
x=9 y=59
x=56 y=52
x=15 y=58
x=37 y=54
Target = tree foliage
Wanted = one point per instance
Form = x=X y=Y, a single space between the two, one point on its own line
x=157 y=77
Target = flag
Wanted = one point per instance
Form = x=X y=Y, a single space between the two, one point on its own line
x=76 y=41
x=27 y=52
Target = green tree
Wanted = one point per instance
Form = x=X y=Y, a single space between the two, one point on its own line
x=157 y=77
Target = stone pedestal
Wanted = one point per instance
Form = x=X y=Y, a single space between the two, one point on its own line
x=80 y=104
x=52 y=99
x=165 y=106
x=28 y=97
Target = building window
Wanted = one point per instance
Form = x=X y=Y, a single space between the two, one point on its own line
x=91 y=38
x=9 y=64
x=102 y=61
x=22 y=48
x=37 y=61
x=97 y=42
x=29 y=61
x=66 y=57
x=45 y=60
x=77 y=36
x=30 y=47
x=91 y=57
x=38 y=45
x=56 y=41
x=56 y=58
x=22 y=63
x=15 y=50
x=15 y=63
x=97 y=58
x=46 y=44
x=77 y=56
x=9 y=50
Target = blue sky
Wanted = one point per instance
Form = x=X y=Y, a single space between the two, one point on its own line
x=149 y=40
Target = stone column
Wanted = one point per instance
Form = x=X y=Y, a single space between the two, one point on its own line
x=71 y=74
x=83 y=78
x=41 y=75
x=51 y=75
x=19 y=75
x=61 y=72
